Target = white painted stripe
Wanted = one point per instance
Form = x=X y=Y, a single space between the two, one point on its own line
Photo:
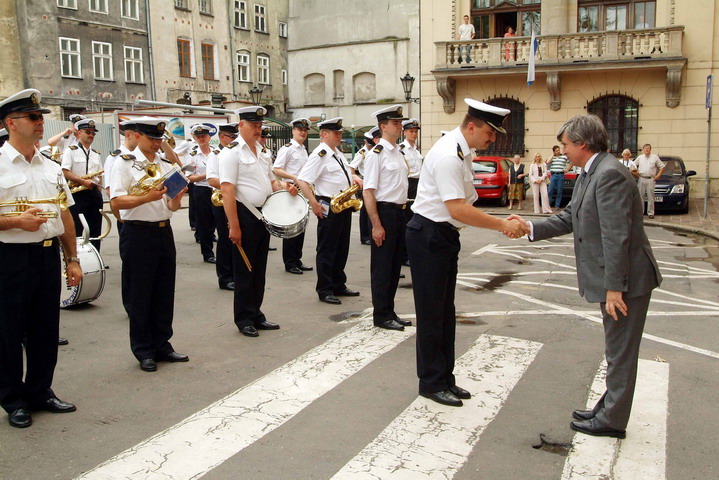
x=429 y=440
x=643 y=453
x=203 y=441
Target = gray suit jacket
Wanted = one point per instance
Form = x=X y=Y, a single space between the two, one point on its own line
x=611 y=248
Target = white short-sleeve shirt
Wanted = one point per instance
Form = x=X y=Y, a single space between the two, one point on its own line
x=291 y=157
x=328 y=170
x=249 y=173
x=80 y=161
x=413 y=157
x=126 y=173
x=386 y=173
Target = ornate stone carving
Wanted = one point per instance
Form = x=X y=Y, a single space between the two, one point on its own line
x=555 y=100
x=445 y=88
x=674 y=82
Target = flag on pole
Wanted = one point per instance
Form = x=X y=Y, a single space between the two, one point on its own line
x=532 y=54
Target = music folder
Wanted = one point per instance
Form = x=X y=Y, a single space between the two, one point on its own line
x=175 y=182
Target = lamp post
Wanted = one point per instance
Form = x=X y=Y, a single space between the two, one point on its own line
x=407 y=84
x=255 y=95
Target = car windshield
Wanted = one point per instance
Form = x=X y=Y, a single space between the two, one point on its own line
x=672 y=167
x=484 y=167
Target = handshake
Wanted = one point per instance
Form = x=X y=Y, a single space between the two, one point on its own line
x=515 y=227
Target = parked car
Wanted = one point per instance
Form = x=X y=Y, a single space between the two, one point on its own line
x=491 y=175
x=671 y=191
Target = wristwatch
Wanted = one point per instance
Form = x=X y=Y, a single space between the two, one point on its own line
x=73 y=259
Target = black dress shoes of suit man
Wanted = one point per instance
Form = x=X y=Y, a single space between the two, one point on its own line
x=582 y=415
x=593 y=427
x=210 y=260
x=460 y=392
x=173 y=357
x=148 y=365
x=249 y=331
x=390 y=325
x=62 y=341
x=404 y=323
x=347 y=293
x=267 y=326
x=20 y=418
x=305 y=268
x=331 y=299
x=445 y=397
x=295 y=270
x=227 y=286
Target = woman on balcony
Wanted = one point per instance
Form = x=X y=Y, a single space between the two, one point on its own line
x=509 y=47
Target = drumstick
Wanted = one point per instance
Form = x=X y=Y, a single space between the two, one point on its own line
x=244 y=257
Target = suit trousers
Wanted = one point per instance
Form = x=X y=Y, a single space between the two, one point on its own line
x=433 y=255
x=250 y=286
x=29 y=307
x=89 y=203
x=204 y=220
x=646 y=191
x=292 y=251
x=622 y=339
x=150 y=264
x=333 y=246
x=386 y=262
x=223 y=267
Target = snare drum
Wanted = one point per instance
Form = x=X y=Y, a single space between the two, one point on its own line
x=285 y=215
x=93 y=277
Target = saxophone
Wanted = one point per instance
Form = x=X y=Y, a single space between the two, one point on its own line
x=345 y=200
x=76 y=187
x=149 y=181
x=216 y=198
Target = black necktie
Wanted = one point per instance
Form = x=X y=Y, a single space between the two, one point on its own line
x=349 y=182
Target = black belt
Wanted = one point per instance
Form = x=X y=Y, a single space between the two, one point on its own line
x=320 y=197
x=426 y=221
x=556 y=173
x=395 y=206
x=49 y=242
x=141 y=223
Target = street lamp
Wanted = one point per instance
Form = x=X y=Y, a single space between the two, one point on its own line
x=255 y=95
x=407 y=84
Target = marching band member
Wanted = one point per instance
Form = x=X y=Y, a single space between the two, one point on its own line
x=328 y=170
x=30 y=264
x=197 y=159
x=371 y=138
x=414 y=159
x=67 y=137
x=149 y=246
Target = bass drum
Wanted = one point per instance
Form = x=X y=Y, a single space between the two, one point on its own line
x=93 y=277
x=285 y=215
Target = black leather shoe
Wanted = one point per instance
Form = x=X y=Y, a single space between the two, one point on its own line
x=267 y=326
x=582 y=415
x=62 y=341
x=249 y=331
x=148 y=365
x=331 y=299
x=592 y=427
x=460 y=392
x=227 y=286
x=305 y=268
x=55 y=405
x=210 y=260
x=20 y=418
x=366 y=242
x=389 y=325
x=404 y=323
x=295 y=270
x=445 y=397
x=173 y=357
x=272 y=249
x=347 y=293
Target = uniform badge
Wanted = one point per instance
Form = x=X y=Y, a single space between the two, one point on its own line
x=322 y=152
x=232 y=145
x=33 y=99
x=378 y=149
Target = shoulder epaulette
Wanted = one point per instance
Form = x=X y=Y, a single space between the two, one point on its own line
x=322 y=152
x=73 y=147
x=96 y=151
x=216 y=151
x=401 y=146
x=115 y=153
x=193 y=152
x=264 y=149
x=363 y=152
x=127 y=156
x=378 y=148
x=232 y=145
x=288 y=144
x=459 y=153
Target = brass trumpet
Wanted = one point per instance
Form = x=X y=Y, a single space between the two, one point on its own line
x=22 y=204
x=149 y=181
x=344 y=200
x=216 y=198
x=75 y=187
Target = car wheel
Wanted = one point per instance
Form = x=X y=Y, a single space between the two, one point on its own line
x=503 y=198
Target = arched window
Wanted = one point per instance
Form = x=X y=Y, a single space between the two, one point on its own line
x=513 y=142
x=620 y=115
x=315 y=89
x=364 y=87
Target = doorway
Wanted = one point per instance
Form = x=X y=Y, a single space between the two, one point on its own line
x=504 y=20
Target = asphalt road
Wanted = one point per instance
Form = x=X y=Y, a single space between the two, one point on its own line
x=518 y=298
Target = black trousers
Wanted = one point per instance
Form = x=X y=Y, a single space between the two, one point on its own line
x=433 y=255
x=292 y=251
x=191 y=205
x=386 y=262
x=250 y=286
x=204 y=220
x=223 y=267
x=333 y=246
x=89 y=203
x=365 y=224
x=29 y=307
x=124 y=283
x=149 y=263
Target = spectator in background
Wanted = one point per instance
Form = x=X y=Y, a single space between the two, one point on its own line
x=650 y=168
x=466 y=32
x=538 y=180
x=516 y=182
x=558 y=165
x=629 y=163
x=508 y=47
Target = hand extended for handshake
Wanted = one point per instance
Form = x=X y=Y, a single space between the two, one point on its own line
x=515 y=227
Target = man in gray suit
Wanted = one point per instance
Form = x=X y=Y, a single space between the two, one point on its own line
x=615 y=264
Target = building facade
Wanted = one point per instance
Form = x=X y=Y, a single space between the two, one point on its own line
x=642 y=66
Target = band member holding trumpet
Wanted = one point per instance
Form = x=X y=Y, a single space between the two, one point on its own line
x=148 y=244
x=34 y=220
x=82 y=167
x=247 y=180
x=290 y=160
x=328 y=170
x=196 y=161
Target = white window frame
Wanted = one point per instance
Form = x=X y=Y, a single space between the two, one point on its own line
x=205 y=6
x=243 y=67
x=284 y=77
x=260 y=18
x=95 y=6
x=182 y=4
x=133 y=59
x=127 y=7
x=241 y=14
x=71 y=4
x=282 y=29
x=102 y=51
x=263 y=69
x=72 y=56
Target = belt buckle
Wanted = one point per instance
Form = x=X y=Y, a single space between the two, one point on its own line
x=404 y=206
x=47 y=243
x=161 y=224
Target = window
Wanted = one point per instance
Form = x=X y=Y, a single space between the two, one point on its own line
x=243 y=66
x=70 y=57
x=283 y=29
x=595 y=16
x=260 y=24
x=513 y=142
x=133 y=65
x=208 y=61
x=129 y=9
x=644 y=13
x=240 y=14
x=620 y=115
x=314 y=89
x=184 y=57
x=182 y=4
x=364 y=87
x=493 y=18
x=67 y=4
x=98 y=6
x=284 y=77
x=102 y=60
x=263 y=69
x=205 y=6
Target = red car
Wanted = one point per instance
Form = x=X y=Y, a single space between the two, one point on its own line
x=491 y=176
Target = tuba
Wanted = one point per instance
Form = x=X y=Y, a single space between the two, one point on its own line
x=151 y=180
x=216 y=198
x=22 y=204
x=74 y=187
x=344 y=200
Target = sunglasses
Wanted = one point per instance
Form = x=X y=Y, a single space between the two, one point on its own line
x=34 y=117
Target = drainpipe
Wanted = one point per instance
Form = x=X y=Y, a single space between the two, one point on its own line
x=149 y=50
